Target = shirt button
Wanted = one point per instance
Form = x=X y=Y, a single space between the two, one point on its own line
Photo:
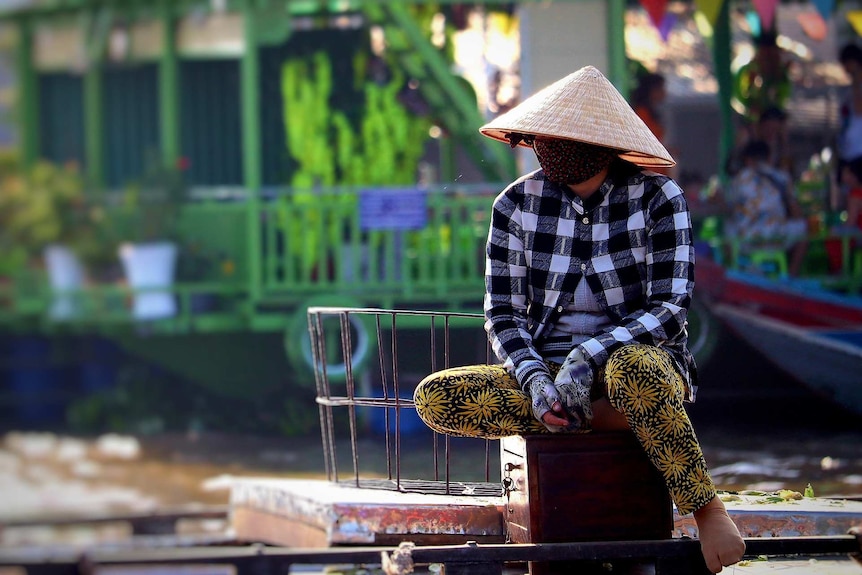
x=586 y=220
x=583 y=267
x=559 y=309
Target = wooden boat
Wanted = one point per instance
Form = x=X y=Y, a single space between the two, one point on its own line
x=810 y=332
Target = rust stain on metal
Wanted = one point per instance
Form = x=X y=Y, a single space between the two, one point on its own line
x=363 y=522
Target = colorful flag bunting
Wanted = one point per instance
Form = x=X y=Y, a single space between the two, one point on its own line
x=855 y=19
x=813 y=25
x=667 y=25
x=656 y=10
x=766 y=10
x=825 y=7
x=753 y=21
x=710 y=9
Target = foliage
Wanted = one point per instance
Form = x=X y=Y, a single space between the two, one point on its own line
x=198 y=263
x=306 y=90
x=9 y=162
x=150 y=208
x=48 y=205
x=390 y=140
x=382 y=147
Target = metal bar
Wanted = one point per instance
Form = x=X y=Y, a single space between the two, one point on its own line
x=94 y=137
x=60 y=561
x=721 y=56
x=258 y=222
x=29 y=95
x=447 y=442
x=382 y=365
x=617 y=68
x=487 y=460
x=433 y=346
x=250 y=94
x=397 y=403
x=344 y=319
x=446 y=366
x=812 y=545
x=331 y=455
x=389 y=447
x=169 y=92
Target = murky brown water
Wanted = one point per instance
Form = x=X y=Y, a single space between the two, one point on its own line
x=43 y=474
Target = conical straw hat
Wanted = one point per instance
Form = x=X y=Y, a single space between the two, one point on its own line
x=583 y=106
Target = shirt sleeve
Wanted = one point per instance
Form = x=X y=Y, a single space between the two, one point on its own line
x=669 y=281
x=506 y=288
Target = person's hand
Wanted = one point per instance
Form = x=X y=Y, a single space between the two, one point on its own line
x=546 y=403
x=574 y=382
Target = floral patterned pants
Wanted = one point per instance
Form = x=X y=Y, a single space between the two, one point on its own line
x=639 y=381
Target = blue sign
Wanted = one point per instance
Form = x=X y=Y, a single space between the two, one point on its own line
x=393 y=209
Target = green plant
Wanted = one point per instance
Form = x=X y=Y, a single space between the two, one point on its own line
x=46 y=205
x=382 y=147
x=200 y=263
x=150 y=208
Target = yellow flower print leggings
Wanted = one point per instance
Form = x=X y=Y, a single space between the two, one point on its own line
x=640 y=382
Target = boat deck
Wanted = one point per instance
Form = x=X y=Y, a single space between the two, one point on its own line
x=319 y=513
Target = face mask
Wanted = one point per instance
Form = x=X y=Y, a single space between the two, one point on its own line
x=571 y=162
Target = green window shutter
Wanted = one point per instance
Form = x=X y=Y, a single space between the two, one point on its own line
x=61 y=118
x=131 y=122
x=210 y=122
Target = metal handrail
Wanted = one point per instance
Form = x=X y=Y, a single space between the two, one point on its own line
x=670 y=557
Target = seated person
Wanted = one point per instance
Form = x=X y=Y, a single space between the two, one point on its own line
x=763 y=211
x=851 y=178
x=845 y=238
x=772 y=129
x=589 y=277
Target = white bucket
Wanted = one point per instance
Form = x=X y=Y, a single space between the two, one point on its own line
x=65 y=274
x=151 y=266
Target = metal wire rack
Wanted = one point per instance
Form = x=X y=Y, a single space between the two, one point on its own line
x=366 y=364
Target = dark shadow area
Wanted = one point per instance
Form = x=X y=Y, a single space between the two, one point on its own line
x=741 y=391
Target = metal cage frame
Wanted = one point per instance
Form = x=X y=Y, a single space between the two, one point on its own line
x=348 y=398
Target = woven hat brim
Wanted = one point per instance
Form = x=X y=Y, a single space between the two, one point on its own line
x=584 y=106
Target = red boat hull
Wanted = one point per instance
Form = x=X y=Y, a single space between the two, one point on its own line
x=774 y=299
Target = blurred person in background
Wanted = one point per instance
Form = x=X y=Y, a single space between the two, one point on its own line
x=763 y=82
x=772 y=129
x=850 y=133
x=851 y=177
x=647 y=99
x=763 y=209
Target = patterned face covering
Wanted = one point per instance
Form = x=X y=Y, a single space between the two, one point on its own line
x=571 y=162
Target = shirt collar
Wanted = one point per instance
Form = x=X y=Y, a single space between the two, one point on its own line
x=594 y=200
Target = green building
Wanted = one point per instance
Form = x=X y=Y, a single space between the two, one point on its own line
x=295 y=152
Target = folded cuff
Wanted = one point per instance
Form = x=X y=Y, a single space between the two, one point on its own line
x=527 y=370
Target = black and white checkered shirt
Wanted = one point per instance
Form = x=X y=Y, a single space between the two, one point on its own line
x=631 y=240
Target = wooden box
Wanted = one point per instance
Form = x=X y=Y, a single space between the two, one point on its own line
x=596 y=486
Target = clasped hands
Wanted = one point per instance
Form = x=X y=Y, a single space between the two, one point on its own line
x=563 y=404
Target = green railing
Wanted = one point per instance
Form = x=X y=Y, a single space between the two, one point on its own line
x=280 y=252
x=321 y=242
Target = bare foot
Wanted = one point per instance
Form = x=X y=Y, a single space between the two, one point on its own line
x=720 y=541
